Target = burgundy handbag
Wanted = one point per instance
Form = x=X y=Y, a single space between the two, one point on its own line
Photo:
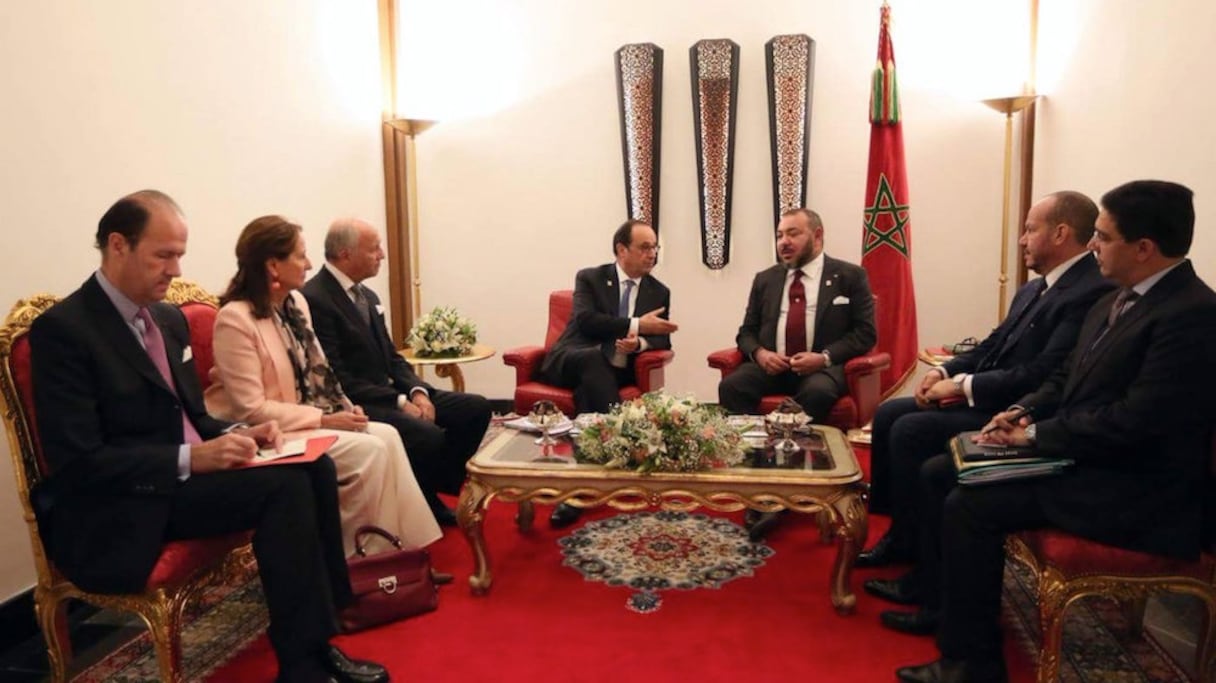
x=387 y=586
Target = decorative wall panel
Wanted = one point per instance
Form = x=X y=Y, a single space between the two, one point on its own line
x=639 y=88
x=790 y=64
x=714 y=65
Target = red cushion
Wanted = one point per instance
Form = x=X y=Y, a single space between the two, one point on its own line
x=1076 y=556
x=201 y=319
x=19 y=365
x=179 y=560
x=561 y=303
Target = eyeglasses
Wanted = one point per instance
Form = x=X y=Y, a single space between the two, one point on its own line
x=648 y=248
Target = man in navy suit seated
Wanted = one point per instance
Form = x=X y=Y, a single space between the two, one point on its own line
x=136 y=461
x=1127 y=407
x=961 y=395
x=620 y=310
x=440 y=429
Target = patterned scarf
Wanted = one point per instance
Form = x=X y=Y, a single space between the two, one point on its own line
x=316 y=383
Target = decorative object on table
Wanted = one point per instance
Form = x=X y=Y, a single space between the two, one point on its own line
x=886 y=241
x=442 y=333
x=715 y=91
x=783 y=422
x=639 y=91
x=388 y=586
x=790 y=65
x=545 y=415
x=662 y=550
x=661 y=432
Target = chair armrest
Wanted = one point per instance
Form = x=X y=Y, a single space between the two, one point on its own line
x=862 y=375
x=725 y=360
x=526 y=360
x=648 y=367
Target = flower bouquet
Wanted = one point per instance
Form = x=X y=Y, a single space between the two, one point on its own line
x=442 y=333
x=658 y=432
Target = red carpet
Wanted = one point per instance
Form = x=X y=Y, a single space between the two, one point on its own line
x=542 y=621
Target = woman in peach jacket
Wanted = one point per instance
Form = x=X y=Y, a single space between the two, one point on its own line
x=270 y=366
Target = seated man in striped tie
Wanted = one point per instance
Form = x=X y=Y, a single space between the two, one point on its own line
x=806 y=317
x=620 y=310
x=1033 y=339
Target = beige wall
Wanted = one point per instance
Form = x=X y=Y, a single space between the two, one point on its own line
x=1127 y=98
x=235 y=108
x=522 y=185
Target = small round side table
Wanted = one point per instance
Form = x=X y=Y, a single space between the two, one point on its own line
x=449 y=366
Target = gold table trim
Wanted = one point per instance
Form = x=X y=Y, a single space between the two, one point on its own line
x=838 y=501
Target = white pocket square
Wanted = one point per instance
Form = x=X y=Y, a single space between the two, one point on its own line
x=187 y=355
x=840 y=301
x=380 y=309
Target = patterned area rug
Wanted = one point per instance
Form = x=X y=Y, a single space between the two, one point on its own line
x=662 y=550
x=1099 y=645
x=219 y=624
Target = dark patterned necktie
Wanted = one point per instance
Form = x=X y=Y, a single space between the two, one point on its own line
x=361 y=304
x=795 y=318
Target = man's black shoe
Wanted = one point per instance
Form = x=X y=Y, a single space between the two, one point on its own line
x=954 y=671
x=760 y=523
x=564 y=515
x=350 y=670
x=896 y=591
x=889 y=550
x=922 y=622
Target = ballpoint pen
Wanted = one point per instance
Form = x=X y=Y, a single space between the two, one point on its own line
x=1017 y=415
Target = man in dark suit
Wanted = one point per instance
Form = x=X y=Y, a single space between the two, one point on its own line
x=135 y=460
x=1127 y=407
x=1031 y=342
x=806 y=317
x=620 y=310
x=441 y=429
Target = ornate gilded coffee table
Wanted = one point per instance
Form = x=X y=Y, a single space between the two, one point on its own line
x=829 y=485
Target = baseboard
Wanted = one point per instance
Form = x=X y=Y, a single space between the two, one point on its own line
x=17 y=621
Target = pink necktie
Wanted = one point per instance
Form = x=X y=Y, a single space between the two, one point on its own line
x=154 y=344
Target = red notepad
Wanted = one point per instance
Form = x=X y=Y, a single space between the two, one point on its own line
x=313 y=449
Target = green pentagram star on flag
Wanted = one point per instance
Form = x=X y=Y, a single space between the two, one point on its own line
x=885 y=221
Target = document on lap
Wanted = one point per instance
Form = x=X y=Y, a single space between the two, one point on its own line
x=294 y=451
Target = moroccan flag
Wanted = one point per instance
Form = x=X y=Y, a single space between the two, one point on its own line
x=886 y=246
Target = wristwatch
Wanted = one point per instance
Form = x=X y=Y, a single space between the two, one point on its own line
x=958 y=380
x=827 y=358
x=1032 y=432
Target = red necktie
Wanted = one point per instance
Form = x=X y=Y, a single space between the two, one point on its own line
x=154 y=344
x=795 y=317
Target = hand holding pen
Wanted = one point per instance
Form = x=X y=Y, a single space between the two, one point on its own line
x=1005 y=427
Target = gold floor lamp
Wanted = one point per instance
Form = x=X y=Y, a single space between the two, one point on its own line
x=1007 y=106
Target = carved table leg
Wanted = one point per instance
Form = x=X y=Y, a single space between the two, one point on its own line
x=451 y=371
x=470 y=512
x=852 y=524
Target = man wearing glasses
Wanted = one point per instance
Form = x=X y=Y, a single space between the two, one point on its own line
x=619 y=311
x=806 y=317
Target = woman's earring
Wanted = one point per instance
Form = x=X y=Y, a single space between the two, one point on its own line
x=274 y=284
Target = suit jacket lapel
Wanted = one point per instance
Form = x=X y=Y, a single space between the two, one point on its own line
x=111 y=325
x=341 y=299
x=276 y=349
x=828 y=286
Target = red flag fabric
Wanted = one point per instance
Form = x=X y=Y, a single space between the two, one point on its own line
x=886 y=246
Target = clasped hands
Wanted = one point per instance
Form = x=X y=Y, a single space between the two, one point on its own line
x=935 y=387
x=234 y=448
x=803 y=363
x=650 y=323
x=419 y=406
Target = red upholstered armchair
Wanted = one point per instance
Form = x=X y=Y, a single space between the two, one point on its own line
x=184 y=566
x=527 y=361
x=854 y=409
x=1070 y=567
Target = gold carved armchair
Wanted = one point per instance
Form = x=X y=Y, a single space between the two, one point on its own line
x=184 y=567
